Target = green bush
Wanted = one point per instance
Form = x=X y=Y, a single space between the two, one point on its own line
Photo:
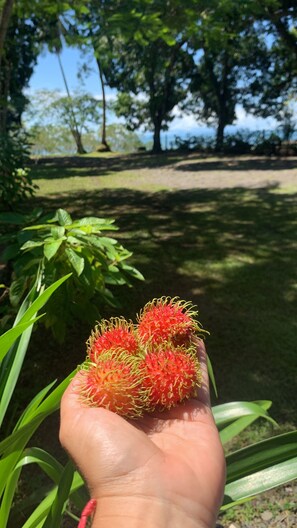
x=267 y=145
x=15 y=182
x=58 y=245
x=238 y=143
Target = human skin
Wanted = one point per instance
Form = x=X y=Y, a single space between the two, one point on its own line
x=164 y=470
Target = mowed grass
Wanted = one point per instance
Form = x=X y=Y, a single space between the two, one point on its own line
x=230 y=250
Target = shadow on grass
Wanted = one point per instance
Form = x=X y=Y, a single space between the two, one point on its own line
x=61 y=167
x=238 y=164
x=233 y=253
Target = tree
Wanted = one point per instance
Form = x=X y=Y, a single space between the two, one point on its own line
x=49 y=108
x=283 y=16
x=141 y=49
x=158 y=73
x=232 y=61
x=5 y=14
x=18 y=61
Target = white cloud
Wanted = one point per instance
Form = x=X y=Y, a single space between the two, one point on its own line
x=244 y=120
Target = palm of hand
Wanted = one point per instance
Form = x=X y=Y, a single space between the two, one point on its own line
x=176 y=454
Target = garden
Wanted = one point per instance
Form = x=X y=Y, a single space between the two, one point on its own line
x=95 y=223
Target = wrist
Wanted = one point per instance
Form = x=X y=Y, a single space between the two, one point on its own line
x=143 y=512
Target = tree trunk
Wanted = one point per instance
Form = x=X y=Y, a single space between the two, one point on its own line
x=4 y=22
x=4 y=91
x=4 y=82
x=220 y=134
x=104 y=143
x=78 y=141
x=157 y=138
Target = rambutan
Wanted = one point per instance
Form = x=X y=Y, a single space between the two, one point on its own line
x=117 y=333
x=113 y=382
x=170 y=376
x=168 y=319
x=131 y=369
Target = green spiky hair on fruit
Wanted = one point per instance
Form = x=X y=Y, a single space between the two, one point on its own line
x=168 y=319
x=132 y=369
x=170 y=375
x=114 y=382
x=110 y=335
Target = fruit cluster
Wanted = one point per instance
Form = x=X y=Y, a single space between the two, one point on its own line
x=153 y=365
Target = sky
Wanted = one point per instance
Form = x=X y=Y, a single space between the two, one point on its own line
x=47 y=75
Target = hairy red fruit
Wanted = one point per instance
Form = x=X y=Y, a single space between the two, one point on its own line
x=113 y=382
x=167 y=319
x=170 y=376
x=111 y=335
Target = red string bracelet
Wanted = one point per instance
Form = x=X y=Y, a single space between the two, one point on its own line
x=88 y=510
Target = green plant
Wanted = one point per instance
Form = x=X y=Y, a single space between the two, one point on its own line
x=14 y=453
x=59 y=245
x=15 y=181
x=250 y=471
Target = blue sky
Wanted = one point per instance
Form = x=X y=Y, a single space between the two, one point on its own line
x=47 y=75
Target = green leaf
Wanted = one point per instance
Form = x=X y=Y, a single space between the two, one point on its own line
x=261 y=455
x=17 y=289
x=7 y=339
x=54 y=516
x=42 y=299
x=48 y=463
x=261 y=481
x=260 y=467
x=13 y=372
x=10 y=252
x=228 y=412
x=236 y=427
x=76 y=262
x=132 y=271
x=64 y=218
x=36 y=227
x=7 y=498
x=211 y=375
x=102 y=223
x=51 y=248
x=37 y=518
x=31 y=244
x=15 y=360
x=33 y=405
x=57 y=232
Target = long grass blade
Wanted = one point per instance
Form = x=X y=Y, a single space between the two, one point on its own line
x=259 y=482
x=228 y=412
x=261 y=455
x=236 y=427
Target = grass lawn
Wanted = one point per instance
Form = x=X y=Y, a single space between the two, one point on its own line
x=231 y=250
x=218 y=232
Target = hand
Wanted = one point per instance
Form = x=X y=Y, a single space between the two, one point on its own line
x=165 y=470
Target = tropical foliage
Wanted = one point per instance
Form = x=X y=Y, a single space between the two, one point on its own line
x=250 y=471
x=57 y=245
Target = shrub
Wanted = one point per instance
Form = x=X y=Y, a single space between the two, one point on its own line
x=200 y=143
x=267 y=145
x=57 y=245
x=15 y=182
x=239 y=143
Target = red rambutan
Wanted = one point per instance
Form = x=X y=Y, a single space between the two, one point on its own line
x=117 y=333
x=170 y=376
x=168 y=319
x=113 y=382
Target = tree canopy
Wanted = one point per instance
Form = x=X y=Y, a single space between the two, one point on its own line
x=203 y=57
